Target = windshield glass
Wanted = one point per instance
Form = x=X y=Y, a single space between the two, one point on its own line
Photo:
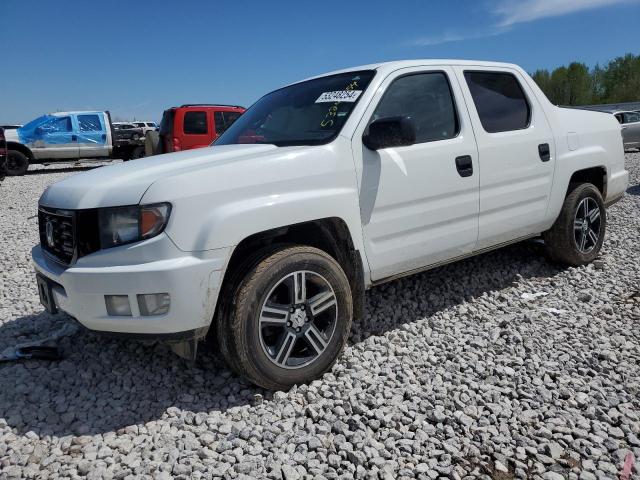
x=307 y=113
x=36 y=122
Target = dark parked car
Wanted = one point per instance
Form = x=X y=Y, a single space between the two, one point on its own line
x=127 y=132
x=3 y=154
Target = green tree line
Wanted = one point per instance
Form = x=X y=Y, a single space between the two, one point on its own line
x=576 y=84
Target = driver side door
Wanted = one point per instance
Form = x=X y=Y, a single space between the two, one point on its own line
x=56 y=139
x=419 y=204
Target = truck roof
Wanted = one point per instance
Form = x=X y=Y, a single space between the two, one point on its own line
x=397 y=64
x=76 y=112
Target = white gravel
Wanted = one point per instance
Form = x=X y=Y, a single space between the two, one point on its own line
x=502 y=366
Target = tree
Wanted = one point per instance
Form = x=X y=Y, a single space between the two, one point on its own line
x=575 y=84
x=558 y=87
x=542 y=78
x=621 y=80
x=578 y=84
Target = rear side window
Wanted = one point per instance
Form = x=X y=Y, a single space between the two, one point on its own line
x=501 y=104
x=195 y=123
x=427 y=99
x=89 y=123
x=631 y=117
x=224 y=120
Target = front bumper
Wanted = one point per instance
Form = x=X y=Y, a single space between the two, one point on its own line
x=191 y=279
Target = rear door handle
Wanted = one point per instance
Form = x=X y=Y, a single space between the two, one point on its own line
x=544 y=151
x=464 y=164
x=74 y=138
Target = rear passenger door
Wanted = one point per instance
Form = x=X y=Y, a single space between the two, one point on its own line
x=196 y=130
x=418 y=203
x=92 y=136
x=517 y=153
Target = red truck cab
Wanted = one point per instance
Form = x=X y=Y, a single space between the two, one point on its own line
x=195 y=125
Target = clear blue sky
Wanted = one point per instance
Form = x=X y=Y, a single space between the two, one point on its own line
x=137 y=58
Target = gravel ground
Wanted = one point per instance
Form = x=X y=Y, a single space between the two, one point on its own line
x=499 y=366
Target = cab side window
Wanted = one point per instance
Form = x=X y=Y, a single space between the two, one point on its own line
x=58 y=125
x=89 y=123
x=223 y=120
x=501 y=104
x=195 y=123
x=427 y=99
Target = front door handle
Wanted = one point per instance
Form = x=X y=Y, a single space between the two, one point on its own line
x=544 y=151
x=464 y=164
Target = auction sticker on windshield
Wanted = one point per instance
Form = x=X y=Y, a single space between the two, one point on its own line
x=339 y=96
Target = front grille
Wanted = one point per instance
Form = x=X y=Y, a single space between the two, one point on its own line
x=57 y=233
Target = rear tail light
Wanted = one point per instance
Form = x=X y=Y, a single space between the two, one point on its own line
x=176 y=144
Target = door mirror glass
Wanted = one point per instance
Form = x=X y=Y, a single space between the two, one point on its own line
x=390 y=132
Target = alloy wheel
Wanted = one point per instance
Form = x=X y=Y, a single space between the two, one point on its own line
x=298 y=319
x=586 y=225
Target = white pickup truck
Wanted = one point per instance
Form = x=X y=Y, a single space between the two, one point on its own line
x=268 y=240
x=67 y=137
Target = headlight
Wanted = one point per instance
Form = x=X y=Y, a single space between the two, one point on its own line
x=122 y=225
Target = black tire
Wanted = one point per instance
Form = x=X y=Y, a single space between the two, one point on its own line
x=222 y=337
x=137 y=153
x=17 y=163
x=243 y=339
x=563 y=240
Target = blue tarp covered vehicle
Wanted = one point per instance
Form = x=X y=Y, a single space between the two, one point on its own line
x=66 y=136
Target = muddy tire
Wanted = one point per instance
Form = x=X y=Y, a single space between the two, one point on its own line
x=577 y=235
x=290 y=318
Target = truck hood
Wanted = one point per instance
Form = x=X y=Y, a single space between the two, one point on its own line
x=125 y=183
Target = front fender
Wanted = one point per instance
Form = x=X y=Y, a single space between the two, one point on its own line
x=230 y=223
x=222 y=204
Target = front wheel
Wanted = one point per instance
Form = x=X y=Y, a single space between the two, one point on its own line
x=577 y=235
x=290 y=319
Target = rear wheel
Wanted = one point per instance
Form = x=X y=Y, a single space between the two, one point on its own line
x=577 y=235
x=290 y=319
x=17 y=163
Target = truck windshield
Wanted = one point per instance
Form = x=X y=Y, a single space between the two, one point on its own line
x=306 y=113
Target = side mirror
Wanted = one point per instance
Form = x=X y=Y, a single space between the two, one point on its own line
x=390 y=132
